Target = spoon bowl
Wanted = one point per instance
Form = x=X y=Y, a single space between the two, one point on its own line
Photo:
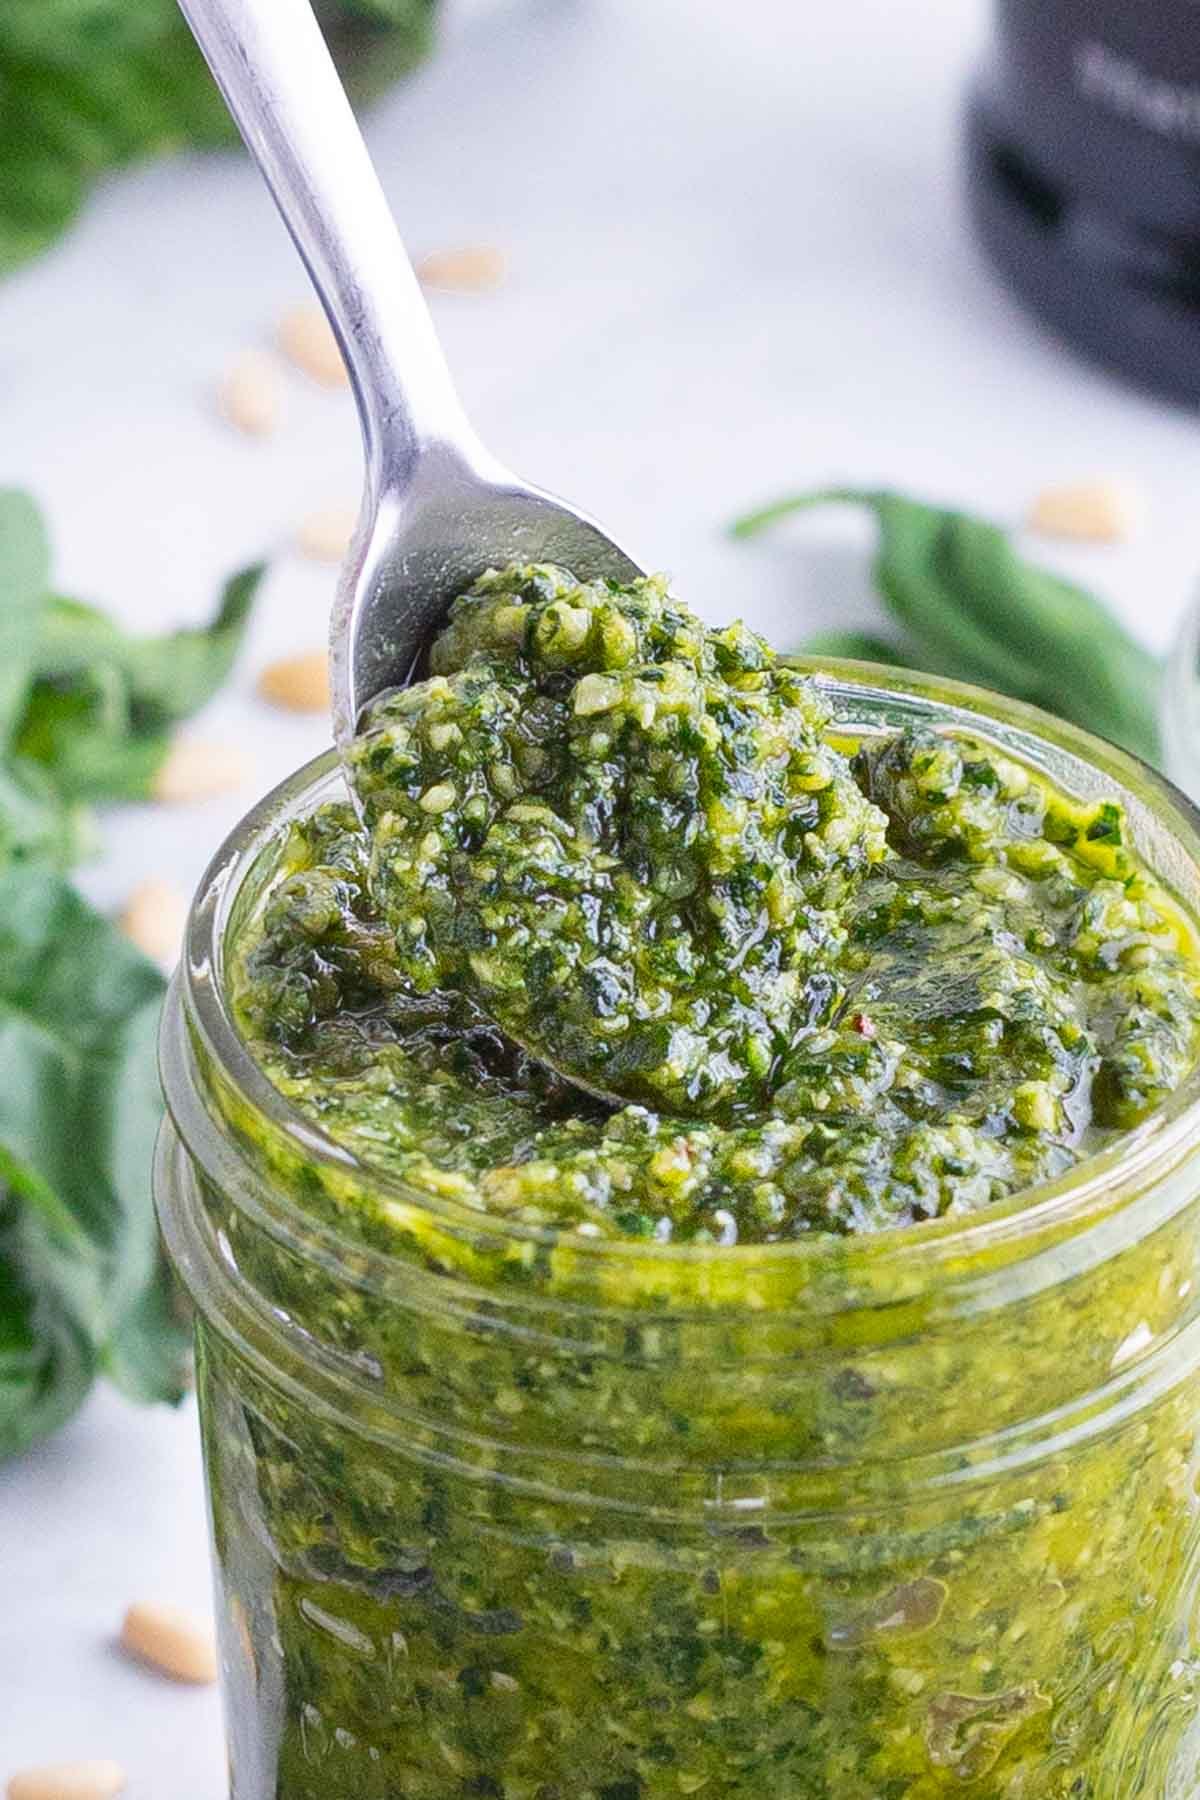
x=424 y=544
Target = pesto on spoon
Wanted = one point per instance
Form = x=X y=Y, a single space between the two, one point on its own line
x=817 y=991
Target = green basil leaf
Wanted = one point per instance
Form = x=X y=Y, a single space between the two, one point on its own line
x=66 y=118
x=24 y=578
x=375 y=42
x=972 y=609
x=71 y=31
x=79 y=1111
x=103 y=701
x=92 y=754
x=41 y=192
x=47 y=1361
x=860 y=646
x=171 y=677
x=149 y=1354
x=86 y=713
x=91 y=85
x=37 y=823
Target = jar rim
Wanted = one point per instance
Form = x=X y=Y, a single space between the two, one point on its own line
x=1067 y=1200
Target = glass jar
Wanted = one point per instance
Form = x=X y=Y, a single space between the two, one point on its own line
x=499 y=1512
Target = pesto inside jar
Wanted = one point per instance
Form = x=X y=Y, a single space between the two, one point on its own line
x=543 y=1510
x=627 y=942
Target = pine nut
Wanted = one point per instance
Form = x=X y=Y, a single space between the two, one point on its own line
x=171 y=1641
x=439 y=798
x=153 y=918
x=298 y=683
x=98 y=1780
x=195 y=769
x=250 y=394
x=325 y=535
x=306 y=339
x=245 y=1638
x=471 y=270
x=1099 y=512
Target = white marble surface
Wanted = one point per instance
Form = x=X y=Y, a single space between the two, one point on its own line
x=738 y=264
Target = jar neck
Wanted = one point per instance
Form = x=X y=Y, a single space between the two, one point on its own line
x=793 y=1380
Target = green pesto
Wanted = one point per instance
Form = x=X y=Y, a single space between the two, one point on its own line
x=821 y=991
x=619 y=1526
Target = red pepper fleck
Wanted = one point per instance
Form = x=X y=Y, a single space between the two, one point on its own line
x=864 y=1026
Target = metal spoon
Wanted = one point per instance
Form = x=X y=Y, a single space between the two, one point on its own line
x=437 y=508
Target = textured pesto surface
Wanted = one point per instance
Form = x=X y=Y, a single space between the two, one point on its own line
x=827 y=993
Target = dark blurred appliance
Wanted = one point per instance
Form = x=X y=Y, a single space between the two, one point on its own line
x=1083 y=160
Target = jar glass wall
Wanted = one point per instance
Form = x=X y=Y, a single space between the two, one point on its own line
x=506 y=1513
x=1180 y=707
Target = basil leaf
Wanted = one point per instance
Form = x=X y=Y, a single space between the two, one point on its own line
x=83 y=94
x=94 y=755
x=103 y=702
x=68 y=31
x=86 y=713
x=171 y=677
x=91 y=85
x=972 y=609
x=37 y=824
x=24 y=578
x=82 y=1283
x=82 y=738
x=47 y=1362
x=149 y=1353
x=860 y=646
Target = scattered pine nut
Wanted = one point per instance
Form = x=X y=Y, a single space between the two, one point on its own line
x=1098 y=512
x=299 y=683
x=325 y=535
x=250 y=394
x=153 y=918
x=471 y=270
x=245 y=1638
x=196 y=769
x=171 y=1641
x=306 y=339
x=98 y=1780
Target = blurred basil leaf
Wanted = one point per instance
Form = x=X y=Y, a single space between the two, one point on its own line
x=24 y=579
x=103 y=702
x=82 y=1288
x=91 y=85
x=968 y=606
x=86 y=713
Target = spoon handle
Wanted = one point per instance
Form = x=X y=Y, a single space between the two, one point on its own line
x=279 y=82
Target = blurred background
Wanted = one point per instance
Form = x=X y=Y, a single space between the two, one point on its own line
x=737 y=263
